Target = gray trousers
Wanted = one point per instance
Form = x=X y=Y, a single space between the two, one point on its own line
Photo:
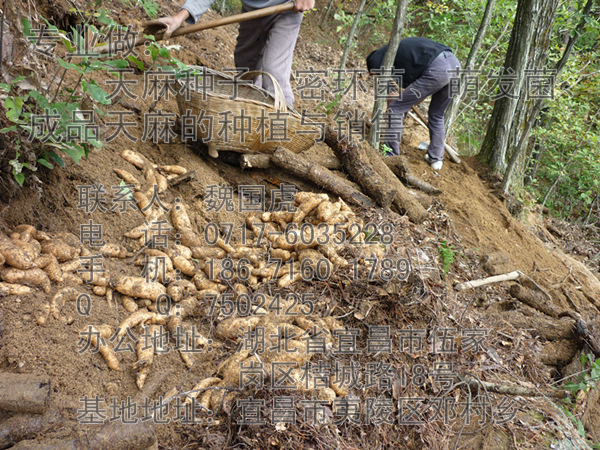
x=435 y=81
x=267 y=44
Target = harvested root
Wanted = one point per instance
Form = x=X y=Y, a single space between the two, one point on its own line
x=204 y=253
x=184 y=265
x=135 y=158
x=14 y=289
x=60 y=249
x=111 y=250
x=234 y=326
x=60 y=298
x=307 y=204
x=100 y=291
x=128 y=178
x=178 y=170
x=140 y=288
x=35 y=276
x=181 y=289
x=145 y=353
x=180 y=219
x=13 y=255
x=138 y=317
x=51 y=266
x=203 y=384
x=105 y=350
x=32 y=248
x=129 y=304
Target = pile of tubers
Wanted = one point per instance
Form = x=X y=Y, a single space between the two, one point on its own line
x=31 y=259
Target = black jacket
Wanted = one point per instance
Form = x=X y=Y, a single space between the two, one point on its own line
x=414 y=55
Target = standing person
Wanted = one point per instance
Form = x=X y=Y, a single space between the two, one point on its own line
x=425 y=68
x=265 y=43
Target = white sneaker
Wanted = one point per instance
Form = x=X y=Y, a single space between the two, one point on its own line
x=437 y=165
x=434 y=165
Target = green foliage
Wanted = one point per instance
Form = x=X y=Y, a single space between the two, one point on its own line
x=385 y=150
x=329 y=107
x=589 y=378
x=447 y=254
x=151 y=7
x=227 y=7
x=373 y=26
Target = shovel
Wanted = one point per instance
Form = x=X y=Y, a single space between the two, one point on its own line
x=156 y=28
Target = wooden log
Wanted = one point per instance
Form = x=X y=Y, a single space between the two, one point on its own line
x=399 y=166
x=404 y=201
x=112 y=436
x=558 y=353
x=23 y=393
x=356 y=162
x=263 y=161
x=366 y=167
x=321 y=176
x=19 y=427
x=535 y=299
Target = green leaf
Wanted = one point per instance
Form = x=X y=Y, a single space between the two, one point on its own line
x=26 y=27
x=5 y=87
x=57 y=159
x=68 y=65
x=40 y=99
x=104 y=19
x=74 y=152
x=19 y=177
x=96 y=92
x=117 y=63
x=45 y=163
x=14 y=108
x=7 y=129
x=136 y=61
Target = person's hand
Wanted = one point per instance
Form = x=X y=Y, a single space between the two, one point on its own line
x=303 y=5
x=173 y=22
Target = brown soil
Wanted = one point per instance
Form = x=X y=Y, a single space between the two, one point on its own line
x=468 y=215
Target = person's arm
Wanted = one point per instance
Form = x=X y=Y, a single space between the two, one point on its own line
x=190 y=12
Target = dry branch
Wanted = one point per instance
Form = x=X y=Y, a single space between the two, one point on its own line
x=401 y=169
x=513 y=389
x=490 y=280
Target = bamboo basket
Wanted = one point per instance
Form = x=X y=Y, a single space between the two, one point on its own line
x=243 y=117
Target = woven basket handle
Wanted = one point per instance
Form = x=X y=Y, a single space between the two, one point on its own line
x=280 y=103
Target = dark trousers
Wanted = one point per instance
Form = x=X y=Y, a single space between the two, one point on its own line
x=435 y=81
x=267 y=44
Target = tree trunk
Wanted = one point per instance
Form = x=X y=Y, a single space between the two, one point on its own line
x=495 y=143
x=514 y=174
x=388 y=62
x=351 y=34
x=456 y=101
x=326 y=13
